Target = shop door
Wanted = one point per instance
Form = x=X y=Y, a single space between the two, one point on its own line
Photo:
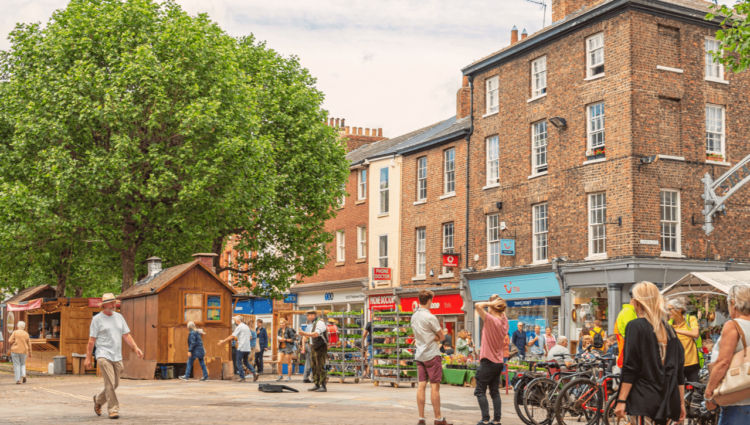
x=449 y=322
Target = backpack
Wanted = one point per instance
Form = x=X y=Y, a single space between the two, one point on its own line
x=698 y=341
x=598 y=339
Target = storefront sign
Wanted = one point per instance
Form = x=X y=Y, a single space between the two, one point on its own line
x=331 y=297
x=381 y=273
x=290 y=299
x=382 y=302
x=531 y=303
x=32 y=305
x=540 y=285
x=441 y=304
x=507 y=246
x=450 y=260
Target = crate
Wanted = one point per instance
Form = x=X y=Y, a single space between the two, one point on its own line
x=167 y=372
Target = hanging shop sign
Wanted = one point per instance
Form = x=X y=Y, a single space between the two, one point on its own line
x=32 y=305
x=290 y=299
x=381 y=273
x=382 y=302
x=539 y=285
x=441 y=304
x=507 y=246
x=450 y=260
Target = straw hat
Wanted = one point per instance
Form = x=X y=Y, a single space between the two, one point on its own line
x=106 y=298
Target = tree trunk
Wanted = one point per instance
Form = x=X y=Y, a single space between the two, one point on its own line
x=60 y=288
x=61 y=271
x=79 y=291
x=216 y=247
x=127 y=261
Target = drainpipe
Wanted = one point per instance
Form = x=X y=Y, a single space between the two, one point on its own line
x=468 y=163
x=565 y=304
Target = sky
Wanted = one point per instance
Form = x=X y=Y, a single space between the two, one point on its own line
x=390 y=64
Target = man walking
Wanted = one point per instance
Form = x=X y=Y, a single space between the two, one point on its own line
x=427 y=335
x=491 y=356
x=519 y=340
x=307 y=351
x=107 y=331
x=319 y=347
x=246 y=339
x=262 y=344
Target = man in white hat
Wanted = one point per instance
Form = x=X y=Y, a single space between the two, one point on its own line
x=107 y=331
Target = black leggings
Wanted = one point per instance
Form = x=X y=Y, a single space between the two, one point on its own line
x=692 y=373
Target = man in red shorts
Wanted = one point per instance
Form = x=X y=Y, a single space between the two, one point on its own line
x=427 y=335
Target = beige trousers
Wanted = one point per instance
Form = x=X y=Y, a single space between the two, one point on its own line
x=111 y=372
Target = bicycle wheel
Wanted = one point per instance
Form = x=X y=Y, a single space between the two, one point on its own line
x=518 y=403
x=579 y=402
x=609 y=409
x=539 y=401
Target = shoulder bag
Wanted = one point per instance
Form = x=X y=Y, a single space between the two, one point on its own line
x=736 y=383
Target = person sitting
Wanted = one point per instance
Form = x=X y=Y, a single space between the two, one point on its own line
x=587 y=348
x=447 y=350
x=561 y=354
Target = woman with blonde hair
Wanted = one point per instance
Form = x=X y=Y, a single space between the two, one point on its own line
x=286 y=348
x=653 y=383
x=20 y=348
x=462 y=345
x=195 y=352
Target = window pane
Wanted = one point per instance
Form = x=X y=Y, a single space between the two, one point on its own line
x=194 y=315
x=421 y=255
x=193 y=300
x=539 y=136
x=450 y=171
x=422 y=178
x=384 y=190
x=493 y=160
x=540 y=232
x=596 y=125
x=714 y=129
x=493 y=240
x=383 y=251
x=670 y=221
x=597 y=228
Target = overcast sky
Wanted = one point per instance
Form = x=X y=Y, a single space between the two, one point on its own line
x=394 y=64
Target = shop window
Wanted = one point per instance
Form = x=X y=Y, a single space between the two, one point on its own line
x=199 y=305
x=213 y=308
x=590 y=305
x=193 y=308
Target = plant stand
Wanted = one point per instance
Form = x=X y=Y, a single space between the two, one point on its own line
x=387 y=366
x=338 y=365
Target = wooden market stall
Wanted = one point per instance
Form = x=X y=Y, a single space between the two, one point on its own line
x=158 y=308
x=11 y=318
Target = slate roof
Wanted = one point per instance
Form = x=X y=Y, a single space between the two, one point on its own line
x=367 y=151
x=457 y=128
x=28 y=294
x=154 y=284
x=697 y=5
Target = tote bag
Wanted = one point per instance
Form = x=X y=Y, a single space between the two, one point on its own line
x=736 y=383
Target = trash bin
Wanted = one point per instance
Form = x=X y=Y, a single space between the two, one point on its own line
x=60 y=365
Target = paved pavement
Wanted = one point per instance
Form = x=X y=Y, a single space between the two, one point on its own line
x=68 y=399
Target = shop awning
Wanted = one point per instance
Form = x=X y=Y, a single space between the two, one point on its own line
x=712 y=283
x=25 y=306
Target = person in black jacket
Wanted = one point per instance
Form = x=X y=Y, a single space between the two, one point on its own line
x=653 y=383
x=519 y=340
x=195 y=351
x=262 y=344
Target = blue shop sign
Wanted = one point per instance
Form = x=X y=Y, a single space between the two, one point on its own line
x=507 y=247
x=254 y=306
x=290 y=299
x=540 y=285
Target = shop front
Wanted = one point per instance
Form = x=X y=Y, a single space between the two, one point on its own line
x=341 y=300
x=447 y=307
x=532 y=298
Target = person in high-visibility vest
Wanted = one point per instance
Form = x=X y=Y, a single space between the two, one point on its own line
x=626 y=315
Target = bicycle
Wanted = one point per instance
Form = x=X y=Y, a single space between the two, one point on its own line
x=524 y=378
x=582 y=400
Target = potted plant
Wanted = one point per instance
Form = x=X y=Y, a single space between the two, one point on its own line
x=714 y=157
x=596 y=153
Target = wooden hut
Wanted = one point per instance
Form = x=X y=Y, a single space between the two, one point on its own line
x=11 y=318
x=158 y=308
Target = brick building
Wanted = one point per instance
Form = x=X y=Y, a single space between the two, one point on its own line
x=564 y=212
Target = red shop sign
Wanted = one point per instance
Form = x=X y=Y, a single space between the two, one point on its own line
x=382 y=302
x=450 y=260
x=441 y=304
x=381 y=273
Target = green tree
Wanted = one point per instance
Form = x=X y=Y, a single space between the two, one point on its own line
x=143 y=127
x=734 y=36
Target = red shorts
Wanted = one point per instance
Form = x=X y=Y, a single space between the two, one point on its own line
x=431 y=370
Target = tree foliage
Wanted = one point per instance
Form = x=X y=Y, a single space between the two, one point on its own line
x=734 y=37
x=135 y=129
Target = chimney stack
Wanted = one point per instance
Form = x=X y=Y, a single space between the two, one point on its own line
x=154 y=265
x=346 y=129
x=337 y=123
x=380 y=132
x=463 y=99
x=524 y=34
x=367 y=132
x=207 y=259
x=564 y=8
x=514 y=35
x=342 y=122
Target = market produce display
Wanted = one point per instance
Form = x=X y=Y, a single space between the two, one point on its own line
x=344 y=357
x=387 y=365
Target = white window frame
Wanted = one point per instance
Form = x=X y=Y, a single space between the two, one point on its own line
x=492 y=95
x=382 y=246
x=362 y=184
x=421 y=242
x=597 y=229
x=340 y=246
x=449 y=171
x=493 y=241
x=595 y=125
x=539 y=77
x=540 y=229
x=712 y=67
x=669 y=217
x=422 y=178
x=493 y=160
x=539 y=148
x=361 y=241
x=449 y=240
x=594 y=49
x=711 y=129
x=384 y=191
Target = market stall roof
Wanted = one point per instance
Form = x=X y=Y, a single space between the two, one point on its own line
x=28 y=294
x=712 y=283
x=158 y=281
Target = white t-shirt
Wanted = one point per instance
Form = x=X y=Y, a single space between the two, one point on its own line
x=425 y=326
x=108 y=331
x=242 y=332
x=745 y=326
x=320 y=327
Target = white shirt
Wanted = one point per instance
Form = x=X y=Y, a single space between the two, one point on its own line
x=320 y=328
x=425 y=326
x=242 y=332
x=108 y=331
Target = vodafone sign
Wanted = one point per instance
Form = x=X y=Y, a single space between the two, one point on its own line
x=450 y=260
x=441 y=304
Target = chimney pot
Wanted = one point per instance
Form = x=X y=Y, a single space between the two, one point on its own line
x=346 y=129
x=524 y=34
x=207 y=259
x=380 y=132
x=154 y=265
x=330 y=122
x=342 y=122
x=337 y=123
x=514 y=35
x=359 y=131
x=367 y=132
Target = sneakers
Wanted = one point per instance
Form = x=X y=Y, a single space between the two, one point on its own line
x=288 y=379
x=204 y=379
x=255 y=377
x=321 y=390
x=97 y=408
x=315 y=388
x=184 y=378
x=442 y=421
x=240 y=380
x=280 y=378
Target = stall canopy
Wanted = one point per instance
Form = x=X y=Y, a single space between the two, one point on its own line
x=713 y=283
